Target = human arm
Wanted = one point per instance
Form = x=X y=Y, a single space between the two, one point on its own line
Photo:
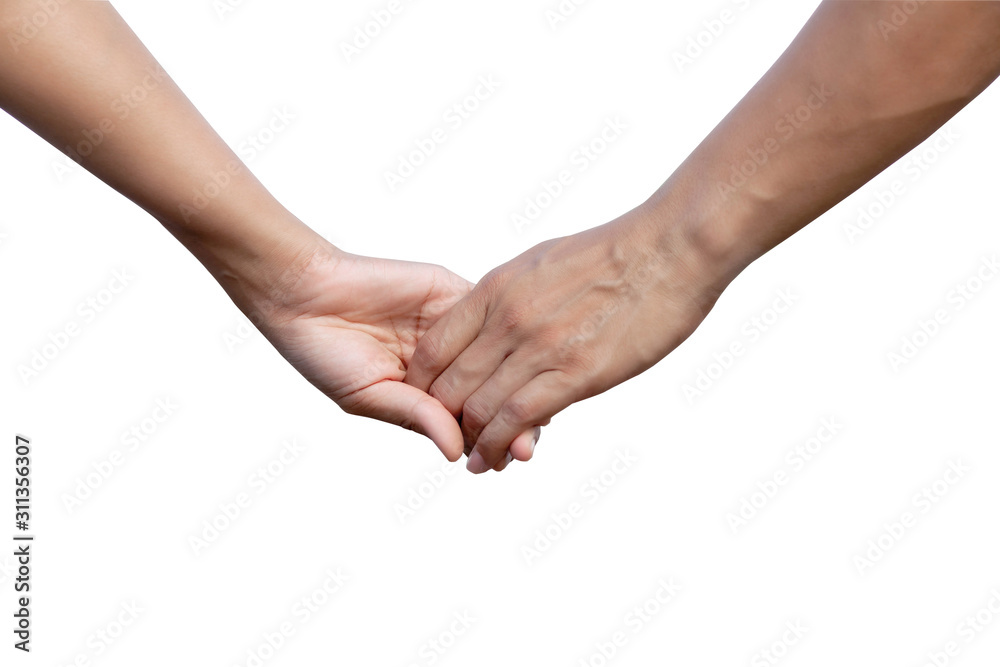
x=349 y=324
x=574 y=316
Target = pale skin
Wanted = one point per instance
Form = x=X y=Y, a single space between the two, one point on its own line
x=575 y=316
x=348 y=324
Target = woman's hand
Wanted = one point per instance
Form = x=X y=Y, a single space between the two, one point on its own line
x=349 y=324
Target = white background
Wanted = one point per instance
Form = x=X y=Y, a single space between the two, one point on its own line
x=463 y=550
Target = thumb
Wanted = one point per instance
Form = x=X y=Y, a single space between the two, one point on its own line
x=403 y=405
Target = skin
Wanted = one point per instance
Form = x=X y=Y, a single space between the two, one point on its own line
x=574 y=316
x=349 y=324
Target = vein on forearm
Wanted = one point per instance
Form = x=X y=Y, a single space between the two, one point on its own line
x=890 y=90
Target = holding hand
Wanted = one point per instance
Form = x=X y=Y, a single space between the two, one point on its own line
x=350 y=324
x=564 y=321
x=572 y=317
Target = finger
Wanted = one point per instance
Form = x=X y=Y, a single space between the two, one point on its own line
x=473 y=368
x=504 y=462
x=480 y=405
x=400 y=404
x=522 y=442
x=531 y=405
x=444 y=341
x=522 y=449
x=523 y=446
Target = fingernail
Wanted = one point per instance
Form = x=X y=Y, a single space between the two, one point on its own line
x=476 y=464
x=507 y=459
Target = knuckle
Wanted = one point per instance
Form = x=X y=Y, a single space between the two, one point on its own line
x=493 y=286
x=494 y=279
x=428 y=354
x=581 y=361
x=578 y=358
x=475 y=416
x=511 y=317
x=519 y=410
x=443 y=391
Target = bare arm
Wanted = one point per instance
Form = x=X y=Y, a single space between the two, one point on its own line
x=63 y=83
x=853 y=93
x=575 y=316
x=349 y=324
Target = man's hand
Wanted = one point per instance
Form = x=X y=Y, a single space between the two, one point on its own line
x=566 y=320
x=572 y=317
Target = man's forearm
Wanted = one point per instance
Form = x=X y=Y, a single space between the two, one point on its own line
x=852 y=94
x=68 y=83
x=575 y=316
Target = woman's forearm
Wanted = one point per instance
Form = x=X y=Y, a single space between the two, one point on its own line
x=87 y=85
x=862 y=84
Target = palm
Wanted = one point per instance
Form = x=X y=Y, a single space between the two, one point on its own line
x=354 y=325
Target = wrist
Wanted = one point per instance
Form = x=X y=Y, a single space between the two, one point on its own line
x=266 y=281
x=714 y=234
x=257 y=252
